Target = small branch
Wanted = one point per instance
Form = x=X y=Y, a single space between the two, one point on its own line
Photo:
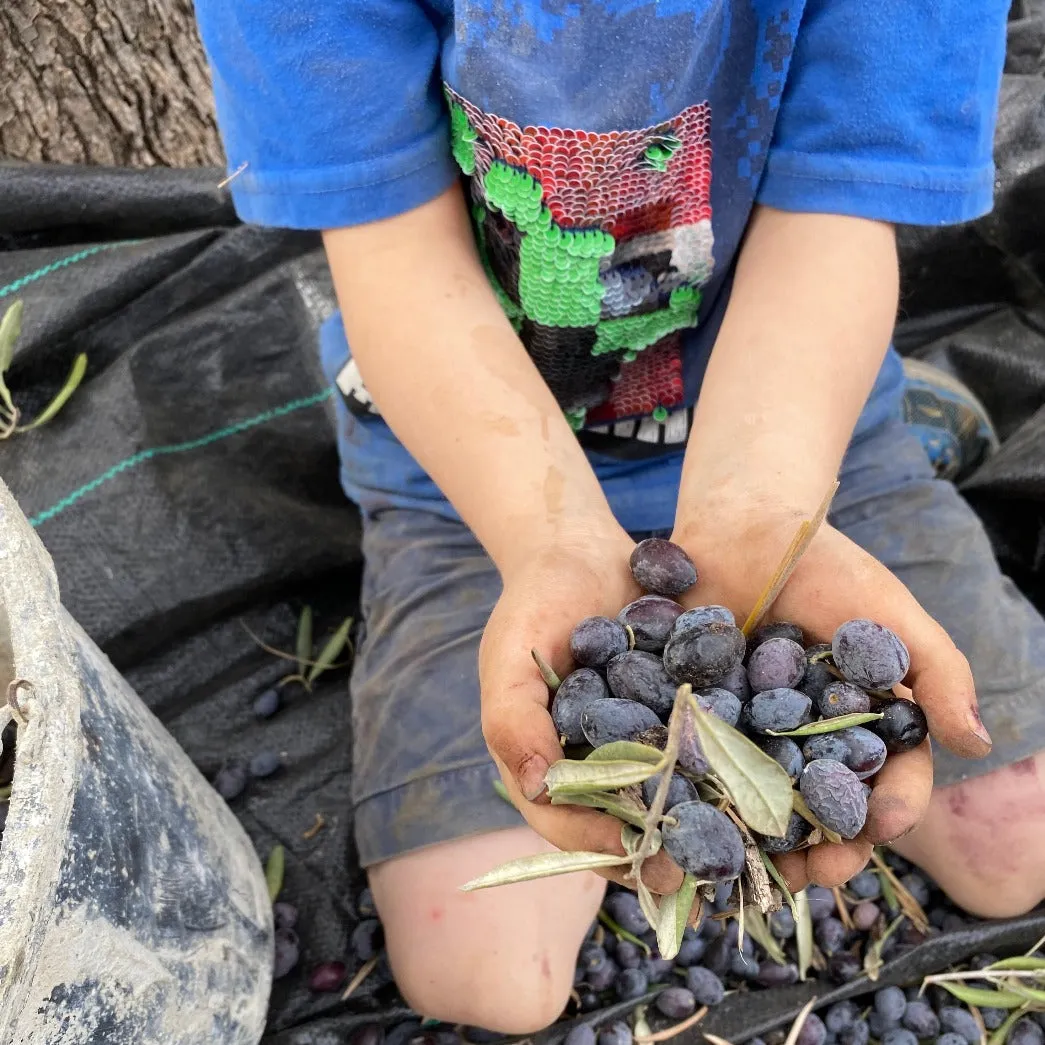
x=843 y=909
x=359 y=977
x=671 y=1032
x=910 y=906
x=801 y=541
x=315 y=828
x=800 y=1019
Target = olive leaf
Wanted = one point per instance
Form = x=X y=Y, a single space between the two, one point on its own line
x=570 y=777
x=626 y=751
x=631 y=839
x=623 y=934
x=542 y=865
x=303 y=646
x=646 y=902
x=803 y=934
x=331 y=651
x=983 y=997
x=807 y=814
x=1002 y=1033
x=1023 y=962
x=781 y=884
x=673 y=917
x=759 y=785
x=622 y=808
x=274 y=871
x=551 y=680
x=829 y=725
x=873 y=958
x=10 y=329
x=1029 y=993
x=72 y=383
x=758 y=929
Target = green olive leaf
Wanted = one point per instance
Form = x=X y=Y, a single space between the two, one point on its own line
x=803 y=934
x=1002 y=1033
x=983 y=997
x=626 y=751
x=1022 y=962
x=542 y=865
x=303 y=646
x=873 y=958
x=616 y=805
x=758 y=929
x=780 y=883
x=631 y=839
x=646 y=902
x=673 y=917
x=830 y=725
x=10 y=331
x=274 y=867
x=331 y=651
x=72 y=383
x=568 y=776
x=623 y=934
x=759 y=785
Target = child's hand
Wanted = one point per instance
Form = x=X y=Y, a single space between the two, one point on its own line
x=541 y=603
x=737 y=551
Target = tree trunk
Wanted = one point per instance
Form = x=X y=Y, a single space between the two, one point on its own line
x=115 y=82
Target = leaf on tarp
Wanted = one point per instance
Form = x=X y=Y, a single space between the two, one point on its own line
x=10 y=331
x=626 y=751
x=806 y=813
x=331 y=651
x=616 y=805
x=542 y=865
x=274 y=867
x=983 y=997
x=758 y=929
x=568 y=776
x=758 y=785
x=803 y=934
x=303 y=646
x=673 y=916
x=830 y=725
x=72 y=383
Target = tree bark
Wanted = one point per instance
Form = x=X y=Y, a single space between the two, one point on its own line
x=114 y=82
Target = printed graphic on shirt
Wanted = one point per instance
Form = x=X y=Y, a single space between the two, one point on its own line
x=597 y=246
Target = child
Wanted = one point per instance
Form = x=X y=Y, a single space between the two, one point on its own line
x=550 y=224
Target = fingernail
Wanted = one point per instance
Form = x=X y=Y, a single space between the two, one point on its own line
x=531 y=777
x=978 y=729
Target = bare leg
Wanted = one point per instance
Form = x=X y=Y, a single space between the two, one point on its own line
x=501 y=958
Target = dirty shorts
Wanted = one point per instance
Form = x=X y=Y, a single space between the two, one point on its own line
x=421 y=771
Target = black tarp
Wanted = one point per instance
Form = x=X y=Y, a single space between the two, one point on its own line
x=189 y=490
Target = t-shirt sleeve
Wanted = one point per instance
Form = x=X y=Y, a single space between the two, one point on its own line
x=889 y=111
x=330 y=110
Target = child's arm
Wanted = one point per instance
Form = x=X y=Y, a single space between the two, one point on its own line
x=455 y=384
x=804 y=335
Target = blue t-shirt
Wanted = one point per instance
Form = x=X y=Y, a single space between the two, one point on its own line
x=612 y=151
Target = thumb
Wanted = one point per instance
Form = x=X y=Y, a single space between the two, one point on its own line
x=516 y=723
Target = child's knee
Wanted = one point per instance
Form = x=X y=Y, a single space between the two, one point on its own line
x=984 y=840
x=504 y=993
x=502 y=959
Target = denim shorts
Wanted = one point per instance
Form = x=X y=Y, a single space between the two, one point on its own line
x=421 y=771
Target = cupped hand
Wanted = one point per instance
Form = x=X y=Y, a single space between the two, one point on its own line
x=541 y=603
x=737 y=550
